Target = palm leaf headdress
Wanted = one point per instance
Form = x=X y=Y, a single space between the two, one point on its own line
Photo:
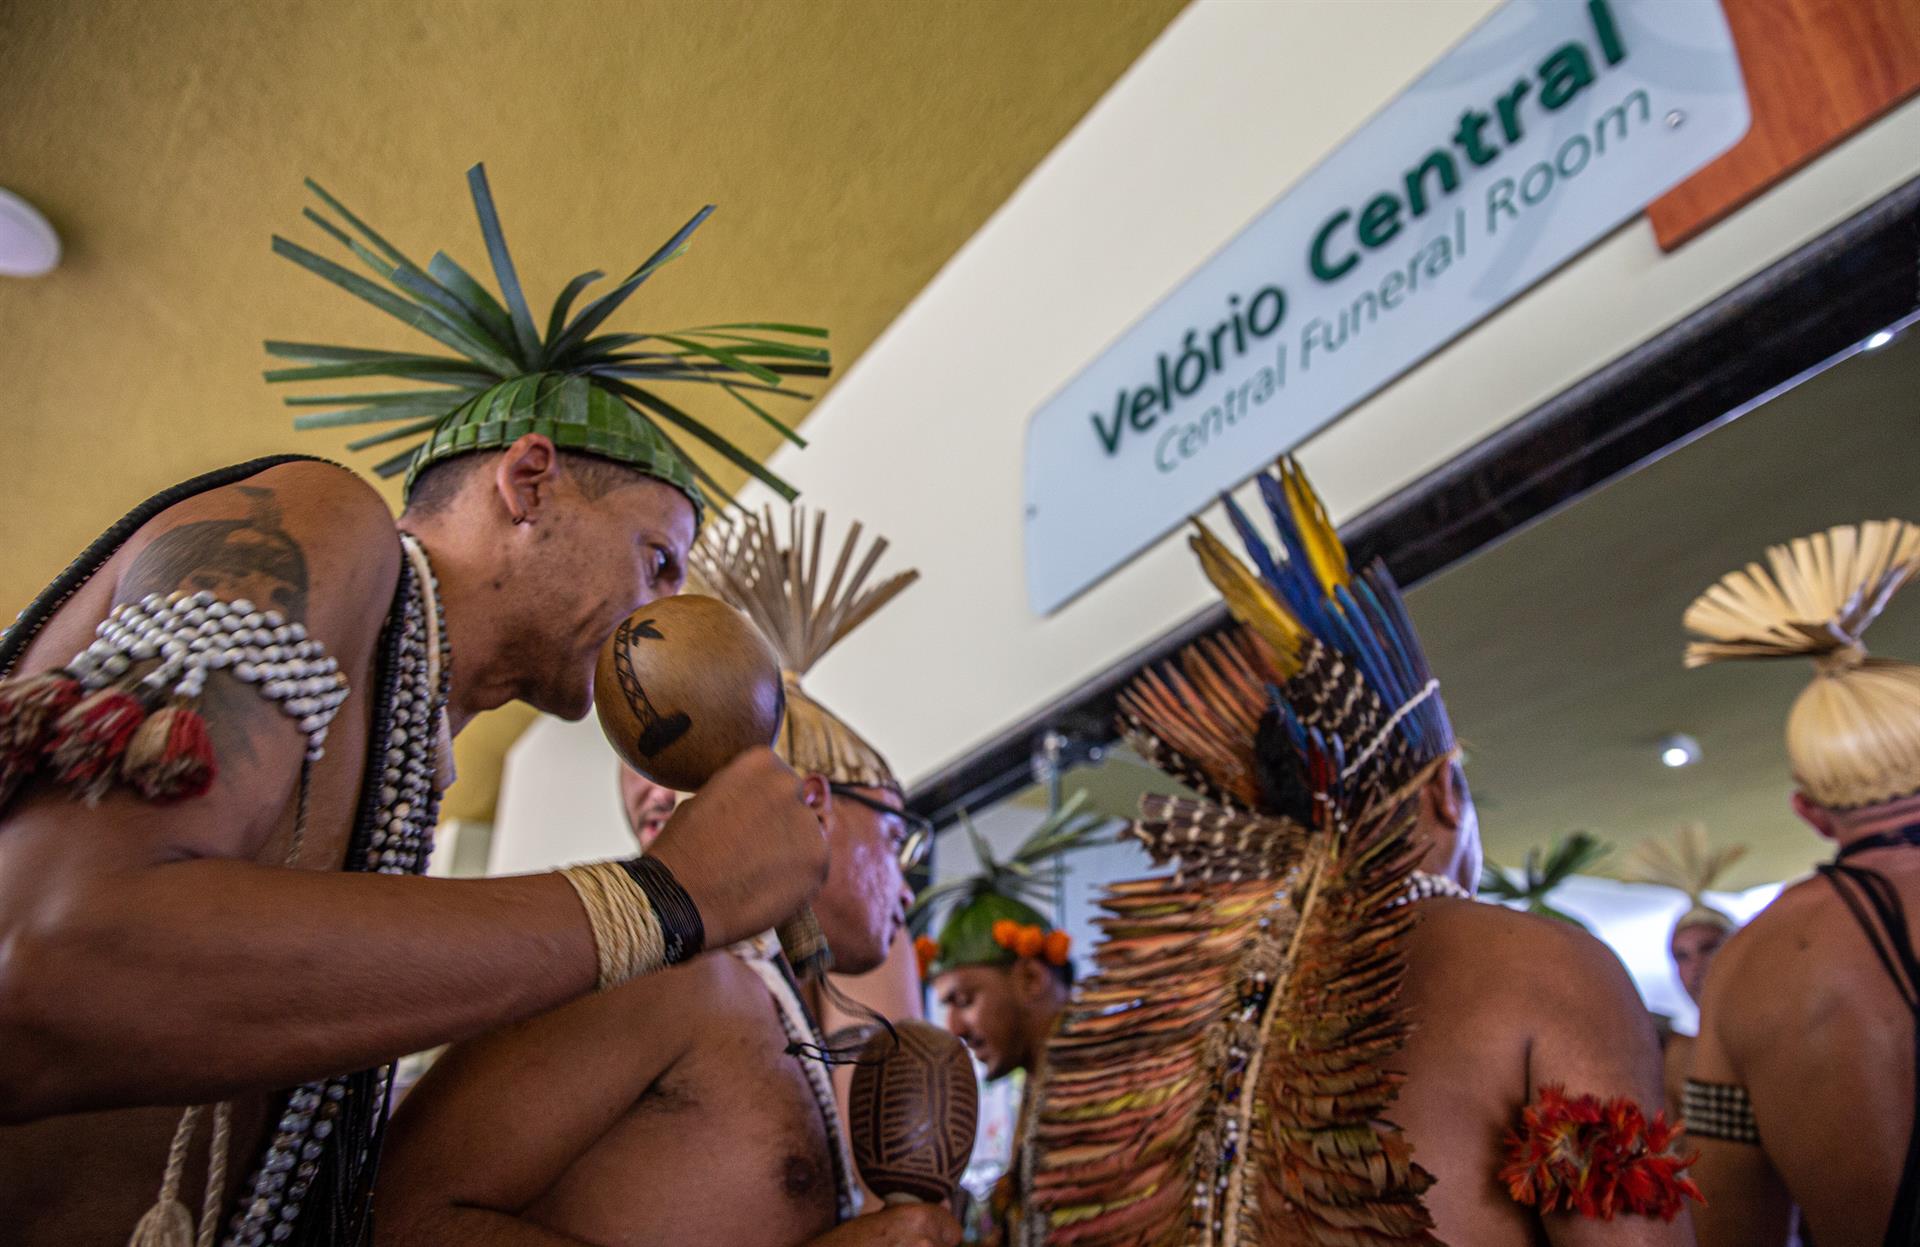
x=1543 y=873
x=591 y=392
x=1690 y=864
x=1222 y=1079
x=776 y=581
x=1854 y=733
x=1018 y=888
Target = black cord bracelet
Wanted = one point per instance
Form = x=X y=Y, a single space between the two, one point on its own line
x=679 y=918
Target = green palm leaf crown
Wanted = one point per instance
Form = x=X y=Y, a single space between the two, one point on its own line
x=1012 y=889
x=592 y=393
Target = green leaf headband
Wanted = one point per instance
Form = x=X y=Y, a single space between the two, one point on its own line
x=591 y=394
x=1006 y=890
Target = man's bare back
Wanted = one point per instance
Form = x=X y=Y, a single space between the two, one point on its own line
x=664 y=1112
x=1503 y=1003
x=1835 y=1105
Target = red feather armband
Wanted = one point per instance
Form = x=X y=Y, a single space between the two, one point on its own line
x=1597 y=1158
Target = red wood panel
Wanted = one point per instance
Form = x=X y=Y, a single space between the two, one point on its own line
x=1816 y=70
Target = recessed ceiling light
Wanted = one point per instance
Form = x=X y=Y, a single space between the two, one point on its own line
x=1677 y=749
x=1879 y=340
x=28 y=245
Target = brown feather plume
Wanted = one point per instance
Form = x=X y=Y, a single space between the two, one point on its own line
x=1223 y=1077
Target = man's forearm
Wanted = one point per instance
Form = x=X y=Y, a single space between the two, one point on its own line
x=268 y=977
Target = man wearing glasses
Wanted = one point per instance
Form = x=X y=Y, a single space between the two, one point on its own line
x=681 y=1107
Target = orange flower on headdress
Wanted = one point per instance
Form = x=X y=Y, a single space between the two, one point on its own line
x=1005 y=932
x=1030 y=941
x=926 y=949
x=1058 y=943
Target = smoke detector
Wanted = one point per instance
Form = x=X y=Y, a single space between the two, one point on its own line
x=28 y=245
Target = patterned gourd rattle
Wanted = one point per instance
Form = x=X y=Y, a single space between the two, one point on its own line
x=912 y=1113
x=685 y=686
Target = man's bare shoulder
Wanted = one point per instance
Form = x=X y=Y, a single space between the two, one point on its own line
x=1507 y=936
x=1555 y=964
x=274 y=537
x=1775 y=944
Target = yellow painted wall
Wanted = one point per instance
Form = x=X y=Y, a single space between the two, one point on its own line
x=852 y=146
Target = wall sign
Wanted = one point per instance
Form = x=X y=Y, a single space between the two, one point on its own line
x=1543 y=130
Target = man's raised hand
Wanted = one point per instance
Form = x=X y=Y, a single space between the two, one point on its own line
x=747 y=848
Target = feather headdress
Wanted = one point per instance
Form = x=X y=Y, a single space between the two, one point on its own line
x=1686 y=863
x=1853 y=736
x=1223 y=1078
x=778 y=586
x=592 y=393
x=994 y=911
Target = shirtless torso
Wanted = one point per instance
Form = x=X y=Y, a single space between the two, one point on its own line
x=1503 y=1003
x=664 y=1112
x=86 y=1178
x=1835 y=1104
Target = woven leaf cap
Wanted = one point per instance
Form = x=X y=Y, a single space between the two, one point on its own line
x=1853 y=737
x=1015 y=888
x=594 y=394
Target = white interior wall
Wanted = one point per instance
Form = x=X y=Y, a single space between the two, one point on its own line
x=922 y=438
x=559 y=800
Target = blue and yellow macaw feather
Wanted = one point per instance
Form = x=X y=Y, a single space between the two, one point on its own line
x=1249 y=599
x=1322 y=541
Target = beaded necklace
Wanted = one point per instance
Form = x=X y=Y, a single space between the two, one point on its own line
x=1423 y=884
x=761 y=954
x=329 y=1130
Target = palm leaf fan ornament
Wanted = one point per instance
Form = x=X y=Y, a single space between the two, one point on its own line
x=1853 y=736
x=592 y=392
x=1687 y=863
x=1223 y=1078
x=1543 y=872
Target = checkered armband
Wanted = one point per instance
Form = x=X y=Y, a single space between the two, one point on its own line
x=1719 y=1110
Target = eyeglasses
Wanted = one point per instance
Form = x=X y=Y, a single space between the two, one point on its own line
x=917 y=841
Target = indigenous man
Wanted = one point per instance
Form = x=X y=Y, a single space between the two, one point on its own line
x=605 y=1123
x=1317 y=964
x=1803 y=1083
x=1689 y=865
x=1001 y=971
x=259 y=732
x=648 y=806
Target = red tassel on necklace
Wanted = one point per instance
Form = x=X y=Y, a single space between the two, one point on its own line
x=90 y=739
x=170 y=757
x=29 y=705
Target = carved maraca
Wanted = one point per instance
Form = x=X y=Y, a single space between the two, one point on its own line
x=912 y=1113
x=684 y=686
